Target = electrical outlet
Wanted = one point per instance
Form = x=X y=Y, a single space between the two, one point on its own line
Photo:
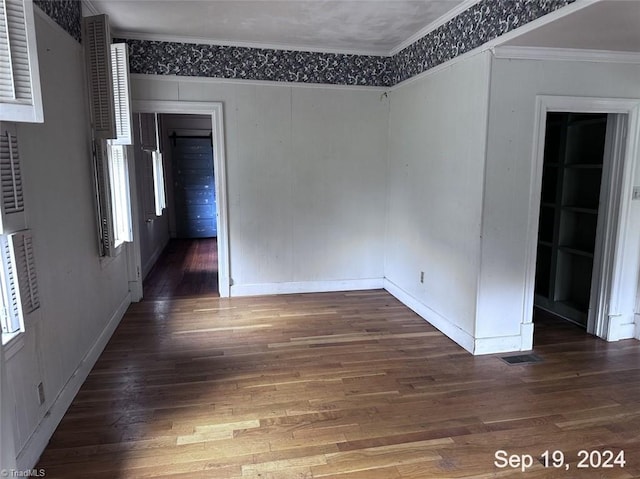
x=422 y=276
x=41 y=393
x=636 y=193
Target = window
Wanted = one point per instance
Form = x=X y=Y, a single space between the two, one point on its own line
x=158 y=183
x=154 y=189
x=111 y=124
x=18 y=285
x=120 y=198
x=20 y=98
x=18 y=282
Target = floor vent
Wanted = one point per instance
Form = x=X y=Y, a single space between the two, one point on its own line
x=522 y=359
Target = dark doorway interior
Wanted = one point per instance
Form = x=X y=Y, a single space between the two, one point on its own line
x=567 y=235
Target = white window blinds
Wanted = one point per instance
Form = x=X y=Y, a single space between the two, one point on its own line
x=12 y=213
x=121 y=94
x=20 y=97
x=19 y=280
x=12 y=319
x=22 y=243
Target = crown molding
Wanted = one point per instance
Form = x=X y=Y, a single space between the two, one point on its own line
x=226 y=43
x=565 y=54
x=89 y=8
x=450 y=15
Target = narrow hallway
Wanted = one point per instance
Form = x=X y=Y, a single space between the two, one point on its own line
x=187 y=267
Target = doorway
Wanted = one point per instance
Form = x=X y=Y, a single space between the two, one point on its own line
x=614 y=291
x=212 y=112
x=570 y=222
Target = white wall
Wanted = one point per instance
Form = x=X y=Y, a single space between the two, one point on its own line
x=436 y=166
x=514 y=86
x=306 y=181
x=81 y=297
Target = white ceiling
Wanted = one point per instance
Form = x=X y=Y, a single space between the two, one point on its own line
x=612 y=25
x=346 y=26
x=377 y=27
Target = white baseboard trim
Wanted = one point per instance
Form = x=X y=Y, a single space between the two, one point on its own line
x=305 y=287
x=621 y=327
x=33 y=449
x=526 y=336
x=445 y=325
x=499 y=344
x=637 y=335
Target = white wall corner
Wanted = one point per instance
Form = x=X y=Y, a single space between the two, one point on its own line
x=35 y=446
x=621 y=326
x=444 y=325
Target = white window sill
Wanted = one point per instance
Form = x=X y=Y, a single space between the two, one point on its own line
x=12 y=343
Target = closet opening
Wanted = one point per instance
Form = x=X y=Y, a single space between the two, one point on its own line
x=576 y=193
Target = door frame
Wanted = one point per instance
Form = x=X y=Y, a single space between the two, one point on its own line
x=616 y=284
x=216 y=111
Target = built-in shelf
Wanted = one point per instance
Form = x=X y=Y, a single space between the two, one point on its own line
x=579 y=252
x=580 y=209
x=584 y=166
x=572 y=174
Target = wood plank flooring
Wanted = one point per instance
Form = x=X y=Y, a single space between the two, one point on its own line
x=185 y=268
x=337 y=385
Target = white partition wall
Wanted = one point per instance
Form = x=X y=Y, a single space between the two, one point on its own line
x=437 y=136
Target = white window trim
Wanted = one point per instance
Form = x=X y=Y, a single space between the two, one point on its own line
x=120 y=194
x=28 y=110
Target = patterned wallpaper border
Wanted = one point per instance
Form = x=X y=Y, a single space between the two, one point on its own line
x=66 y=13
x=188 y=59
x=481 y=23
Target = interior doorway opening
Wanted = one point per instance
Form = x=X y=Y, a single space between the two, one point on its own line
x=607 y=288
x=574 y=180
x=192 y=139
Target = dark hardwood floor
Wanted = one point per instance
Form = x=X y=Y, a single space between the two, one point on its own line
x=336 y=385
x=187 y=267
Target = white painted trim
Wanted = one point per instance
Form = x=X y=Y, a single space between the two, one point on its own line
x=234 y=81
x=450 y=15
x=89 y=8
x=499 y=344
x=565 y=54
x=621 y=327
x=637 y=323
x=625 y=238
x=215 y=109
x=444 y=325
x=154 y=37
x=607 y=223
x=28 y=457
x=261 y=289
x=32 y=112
x=526 y=336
